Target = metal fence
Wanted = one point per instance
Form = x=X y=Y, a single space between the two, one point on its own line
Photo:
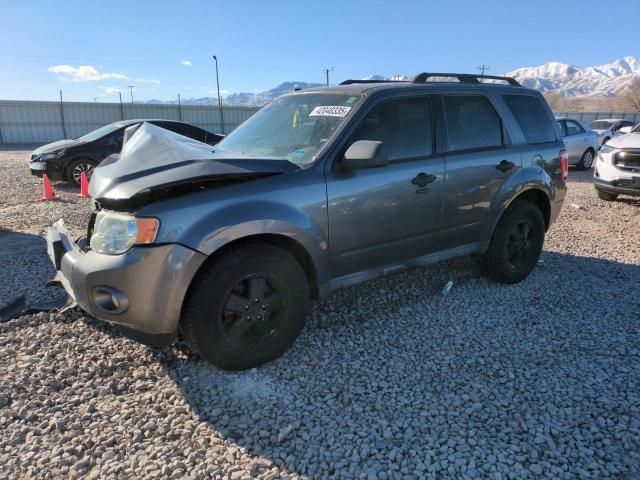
x=588 y=117
x=39 y=122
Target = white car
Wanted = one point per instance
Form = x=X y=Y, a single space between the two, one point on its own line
x=607 y=128
x=582 y=143
x=617 y=170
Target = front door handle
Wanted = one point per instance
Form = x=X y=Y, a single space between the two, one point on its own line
x=423 y=179
x=505 y=166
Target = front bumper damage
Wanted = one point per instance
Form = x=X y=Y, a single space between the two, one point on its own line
x=141 y=291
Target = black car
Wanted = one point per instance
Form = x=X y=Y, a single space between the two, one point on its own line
x=67 y=159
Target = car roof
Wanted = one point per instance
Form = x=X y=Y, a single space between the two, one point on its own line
x=356 y=88
x=608 y=119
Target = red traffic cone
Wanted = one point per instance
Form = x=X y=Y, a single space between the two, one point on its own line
x=84 y=186
x=47 y=188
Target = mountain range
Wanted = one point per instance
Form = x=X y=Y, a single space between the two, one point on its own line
x=606 y=80
x=601 y=80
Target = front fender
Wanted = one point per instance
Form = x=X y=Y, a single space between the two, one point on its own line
x=262 y=218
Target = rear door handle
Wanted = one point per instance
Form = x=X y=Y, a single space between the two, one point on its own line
x=423 y=179
x=505 y=166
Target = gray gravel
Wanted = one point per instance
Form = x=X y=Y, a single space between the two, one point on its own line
x=388 y=380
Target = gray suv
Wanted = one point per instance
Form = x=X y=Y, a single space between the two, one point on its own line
x=321 y=189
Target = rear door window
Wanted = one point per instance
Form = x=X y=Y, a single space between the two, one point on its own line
x=573 y=128
x=532 y=118
x=472 y=123
x=404 y=126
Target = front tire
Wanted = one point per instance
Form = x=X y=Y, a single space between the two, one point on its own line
x=247 y=307
x=586 y=161
x=609 y=197
x=516 y=244
x=76 y=167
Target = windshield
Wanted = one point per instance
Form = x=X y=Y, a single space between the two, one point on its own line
x=101 y=132
x=636 y=129
x=602 y=124
x=293 y=128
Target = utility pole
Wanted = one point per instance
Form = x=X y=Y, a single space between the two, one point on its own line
x=179 y=109
x=95 y=100
x=131 y=87
x=482 y=68
x=326 y=72
x=219 y=97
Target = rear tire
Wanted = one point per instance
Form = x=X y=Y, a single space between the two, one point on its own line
x=247 y=307
x=586 y=161
x=516 y=244
x=609 y=197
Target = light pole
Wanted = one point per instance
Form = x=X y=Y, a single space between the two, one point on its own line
x=131 y=87
x=326 y=71
x=219 y=97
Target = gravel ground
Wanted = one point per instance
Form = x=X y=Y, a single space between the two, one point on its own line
x=388 y=380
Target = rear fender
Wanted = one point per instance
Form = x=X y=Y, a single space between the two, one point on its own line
x=529 y=178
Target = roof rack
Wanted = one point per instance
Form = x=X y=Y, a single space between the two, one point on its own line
x=463 y=78
x=351 y=82
x=424 y=78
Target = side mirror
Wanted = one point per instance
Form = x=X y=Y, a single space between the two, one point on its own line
x=625 y=129
x=365 y=154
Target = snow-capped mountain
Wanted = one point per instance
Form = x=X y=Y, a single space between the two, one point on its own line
x=245 y=98
x=571 y=81
x=602 y=80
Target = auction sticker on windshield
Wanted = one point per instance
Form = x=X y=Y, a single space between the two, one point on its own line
x=330 y=111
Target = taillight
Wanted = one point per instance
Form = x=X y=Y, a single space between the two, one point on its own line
x=564 y=165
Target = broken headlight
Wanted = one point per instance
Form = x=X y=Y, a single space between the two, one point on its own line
x=115 y=233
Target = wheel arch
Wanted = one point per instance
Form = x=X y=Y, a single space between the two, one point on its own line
x=288 y=244
x=535 y=195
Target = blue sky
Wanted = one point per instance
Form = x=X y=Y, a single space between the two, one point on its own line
x=259 y=44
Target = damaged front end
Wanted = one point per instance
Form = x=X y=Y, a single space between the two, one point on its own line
x=119 y=273
x=156 y=164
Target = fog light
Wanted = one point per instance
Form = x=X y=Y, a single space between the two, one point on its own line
x=110 y=300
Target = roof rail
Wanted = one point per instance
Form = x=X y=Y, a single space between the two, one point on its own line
x=351 y=82
x=464 y=78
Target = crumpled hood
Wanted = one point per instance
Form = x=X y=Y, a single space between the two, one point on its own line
x=55 y=146
x=628 y=140
x=155 y=159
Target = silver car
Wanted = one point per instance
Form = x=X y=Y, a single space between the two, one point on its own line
x=582 y=143
x=319 y=190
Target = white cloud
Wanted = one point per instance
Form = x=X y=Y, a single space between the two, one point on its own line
x=142 y=80
x=88 y=73
x=112 y=90
x=84 y=73
x=187 y=63
x=214 y=91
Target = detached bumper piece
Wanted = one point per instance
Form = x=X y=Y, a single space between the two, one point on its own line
x=622 y=186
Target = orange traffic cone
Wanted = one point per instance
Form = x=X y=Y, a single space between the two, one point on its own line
x=84 y=186
x=47 y=188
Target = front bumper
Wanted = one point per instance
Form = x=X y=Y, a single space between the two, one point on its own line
x=141 y=290
x=53 y=171
x=622 y=186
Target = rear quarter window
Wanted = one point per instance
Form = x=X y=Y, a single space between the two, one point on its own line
x=532 y=118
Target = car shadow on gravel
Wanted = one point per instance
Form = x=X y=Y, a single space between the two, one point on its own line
x=25 y=268
x=392 y=377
